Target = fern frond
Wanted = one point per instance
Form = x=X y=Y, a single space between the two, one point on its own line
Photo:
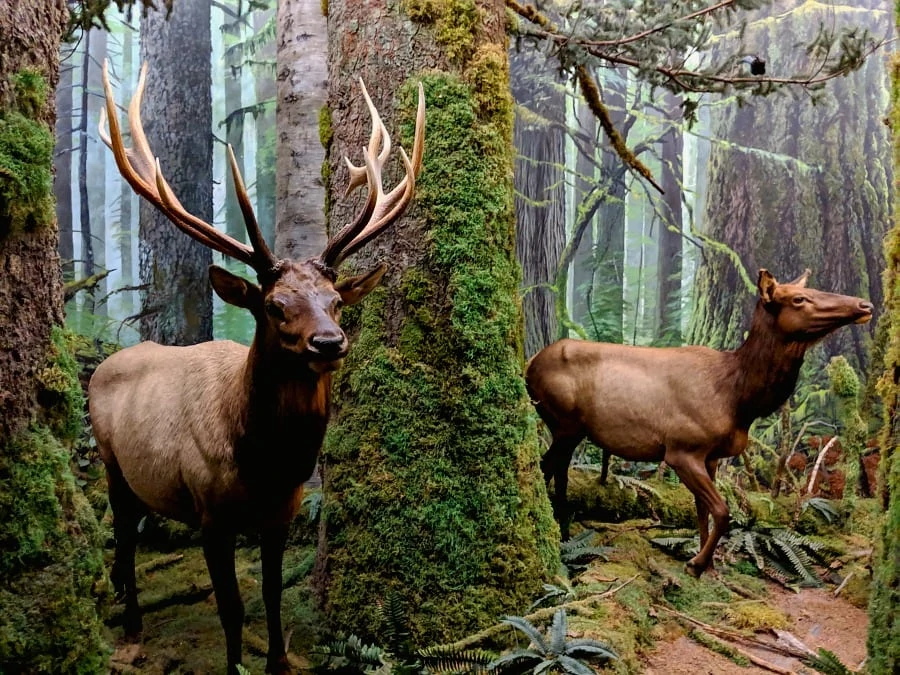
x=447 y=659
x=525 y=626
x=635 y=484
x=827 y=662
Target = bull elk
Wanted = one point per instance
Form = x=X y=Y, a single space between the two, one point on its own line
x=689 y=406
x=219 y=435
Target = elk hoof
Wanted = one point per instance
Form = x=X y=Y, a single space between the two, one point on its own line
x=278 y=665
x=694 y=568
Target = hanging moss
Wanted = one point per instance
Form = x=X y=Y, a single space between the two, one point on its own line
x=26 y=157
x=452 y=477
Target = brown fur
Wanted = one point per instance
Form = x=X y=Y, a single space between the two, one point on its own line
x=689 y=406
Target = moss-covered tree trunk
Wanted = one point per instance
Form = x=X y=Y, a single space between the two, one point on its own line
x=176 y=307
x=797 y=185
x=432 y=488
x=884 y=617
x=51 y=557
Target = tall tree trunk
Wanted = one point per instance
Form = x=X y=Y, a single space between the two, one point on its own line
x=177 y=302
x=96 y=164
x=609 y=250
x=127 y=199
x=884 y=619
x=302 y=46
x=62 y=168
x=668 y=261
x=585 y=180
x=265 y=131
x=234 y=123
x=84 y=202
x=52 y=554
x=431 y=477
x=798 y=185
x=540 y=192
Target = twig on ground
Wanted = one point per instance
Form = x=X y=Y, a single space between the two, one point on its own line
x=837 y=591
x=159 y=563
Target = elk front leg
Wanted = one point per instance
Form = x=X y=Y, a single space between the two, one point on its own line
x=696 y=475
x=218 y=549
x=127 y=513
x=555 y=465
x=272 y=545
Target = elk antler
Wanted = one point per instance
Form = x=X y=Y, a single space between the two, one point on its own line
x=380 y=209
x=142 y=171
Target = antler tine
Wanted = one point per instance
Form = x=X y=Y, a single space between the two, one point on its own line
x=141 y=170
x=267 y=262
x=391 y=205
x=380 y=209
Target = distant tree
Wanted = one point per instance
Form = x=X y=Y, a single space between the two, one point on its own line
x=176 y=305
x=62 y=165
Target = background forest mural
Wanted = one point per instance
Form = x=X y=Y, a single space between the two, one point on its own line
x=614 y=171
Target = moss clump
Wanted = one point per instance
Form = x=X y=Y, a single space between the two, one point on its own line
x=672 y=504
x=61 y=394
x=452 y=513
x=844 y=380
x=26 y=157
x=755 y=615
x=455 y=23
x=52 y=566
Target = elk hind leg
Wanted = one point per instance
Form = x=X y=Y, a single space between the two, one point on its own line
x=555 y=465
x=272 y=545
x=127 y=513
x=218 y=549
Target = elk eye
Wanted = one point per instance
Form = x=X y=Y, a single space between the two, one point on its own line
x=799 y=300
x=275 y=309
x=338 y=304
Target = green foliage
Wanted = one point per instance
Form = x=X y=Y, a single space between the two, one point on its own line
x=349 y=655
x=553 y=652
x=783 y=555
x=61 y=395
x=827 y=662
x=577 y=552
x=844 y=380
x=719 y=647
x=455 y=23
x=437 y=419
x=26 y=156
x=52 y=565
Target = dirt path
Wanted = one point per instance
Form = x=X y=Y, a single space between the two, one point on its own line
x=817 y=619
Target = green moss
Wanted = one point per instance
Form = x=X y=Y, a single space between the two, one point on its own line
x=455 y=24
x=30 y=90
x=26 y=148
x=52 y=568
x=844 y=380
x=452 y=513
x=61 y=394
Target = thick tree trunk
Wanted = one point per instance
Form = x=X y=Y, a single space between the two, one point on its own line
x=540 y=193
x=431 y=477
x=177 y=113
x=302 y=74
x=52 y=554
x=798 y=185
x=265 y=133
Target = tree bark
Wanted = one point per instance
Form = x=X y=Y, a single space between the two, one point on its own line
x=668 y=261
x=265 y=132
x=62 y=168
x=585 y=179
x=431 y=484
x=176 y=306
x=52 y=550
x=540 y=192
x=302 y=78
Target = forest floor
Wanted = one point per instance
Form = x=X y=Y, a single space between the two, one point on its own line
x=646 y=620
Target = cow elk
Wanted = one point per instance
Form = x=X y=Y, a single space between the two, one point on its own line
x=219 y=435
x=689 y=406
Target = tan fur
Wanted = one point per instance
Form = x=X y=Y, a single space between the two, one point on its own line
x=689 y=406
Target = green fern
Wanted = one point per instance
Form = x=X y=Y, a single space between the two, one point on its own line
x=635 y=484
x=576 y=552
x=784 y=555
x=827 y=662
x=823 y=507
x=445 y=659
x=348 y=656
x=679 y=547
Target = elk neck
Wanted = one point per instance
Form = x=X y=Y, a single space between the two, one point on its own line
x=767 y=365
x=285 y=412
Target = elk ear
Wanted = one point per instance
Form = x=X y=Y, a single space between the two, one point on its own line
x=235 y=290
x=354 y=289
x=801 y=280
x=766 y=285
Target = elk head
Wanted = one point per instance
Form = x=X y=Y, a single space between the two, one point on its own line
x=804 y=314
x=296 y=305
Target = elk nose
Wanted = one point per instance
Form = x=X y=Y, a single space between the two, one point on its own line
x=328 y=344
x=867 y=306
